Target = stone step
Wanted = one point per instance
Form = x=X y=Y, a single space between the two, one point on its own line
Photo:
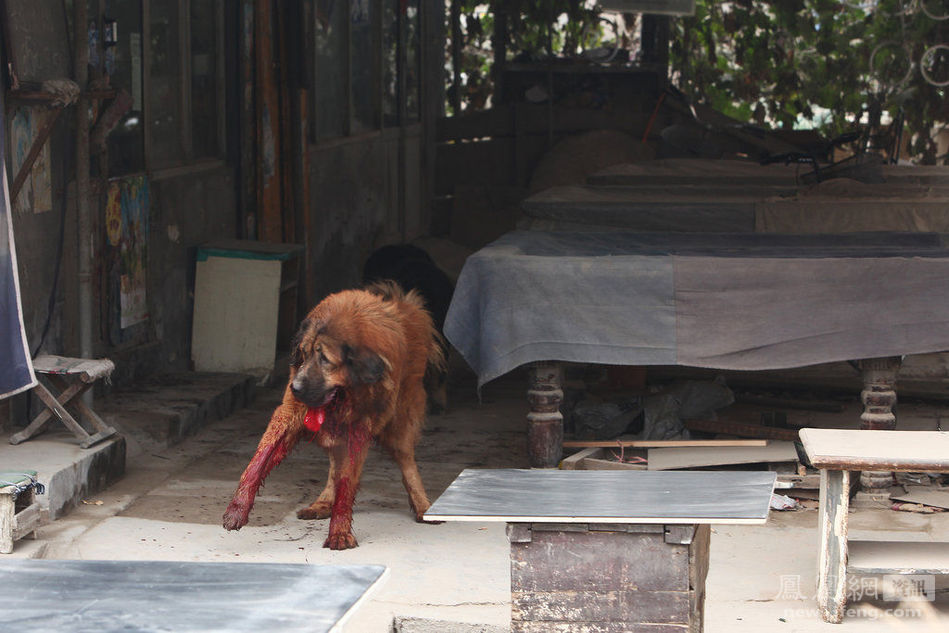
x=163 y=410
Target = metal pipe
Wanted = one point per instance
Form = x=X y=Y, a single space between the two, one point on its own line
x=84 y=232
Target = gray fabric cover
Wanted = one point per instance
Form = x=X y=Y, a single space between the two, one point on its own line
x=728 y=301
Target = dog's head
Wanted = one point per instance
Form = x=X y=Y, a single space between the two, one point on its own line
x=328 y=364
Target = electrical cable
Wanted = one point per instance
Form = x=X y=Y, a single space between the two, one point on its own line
x=50 y=306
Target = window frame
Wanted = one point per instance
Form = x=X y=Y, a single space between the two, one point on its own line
x=188 y=161
x=350 y=128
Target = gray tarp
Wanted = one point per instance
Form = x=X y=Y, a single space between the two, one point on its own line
x=726 y=301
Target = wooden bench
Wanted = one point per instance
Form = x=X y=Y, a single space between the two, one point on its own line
x=20 y=513
x=72 y=377
x=837 y=453
x=607 y=550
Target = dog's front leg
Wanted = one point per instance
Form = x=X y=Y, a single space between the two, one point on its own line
x=279 y=438
x=350 y=459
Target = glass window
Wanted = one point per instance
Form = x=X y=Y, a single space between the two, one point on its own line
x=204 y=78
x=362 y=56
x=123 y=63
x=164 y=85
x=391 y=25
x=412 y=63
x=329 y=89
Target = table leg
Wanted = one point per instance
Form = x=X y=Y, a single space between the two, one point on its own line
x=7 y=510
x=878 y=397
x=832 y=559
x=544 y=421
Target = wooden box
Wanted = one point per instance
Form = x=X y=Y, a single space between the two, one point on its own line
x=20 y=513
x=245 y=306
x=606 y=578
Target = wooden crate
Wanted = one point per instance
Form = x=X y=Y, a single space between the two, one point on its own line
x=605 y=578
x=20 y=513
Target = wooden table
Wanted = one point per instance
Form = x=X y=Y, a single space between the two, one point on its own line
x=620 y=549
x=83 y=596
x=729 y=301
x=837 y=453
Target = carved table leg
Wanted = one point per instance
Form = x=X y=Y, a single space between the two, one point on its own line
x=878 y=397
x=544 y=421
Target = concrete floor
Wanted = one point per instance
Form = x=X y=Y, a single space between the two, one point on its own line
x=168 y=506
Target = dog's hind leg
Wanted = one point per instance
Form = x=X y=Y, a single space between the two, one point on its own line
x=412 y=481
x=401 y=446
x=350 y=458
x=322 y=508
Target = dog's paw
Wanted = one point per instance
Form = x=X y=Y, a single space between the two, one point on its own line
x=235 y=517
x=420 y=518
x=318 y=510
x=340 y=541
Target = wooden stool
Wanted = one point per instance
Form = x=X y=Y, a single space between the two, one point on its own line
x=837 y=453
x=73 y=377
x=19 y=513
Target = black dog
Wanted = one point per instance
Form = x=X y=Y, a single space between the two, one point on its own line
x=414 y=269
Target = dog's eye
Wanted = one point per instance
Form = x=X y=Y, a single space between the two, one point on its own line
x=323 y=359
x=296 y=358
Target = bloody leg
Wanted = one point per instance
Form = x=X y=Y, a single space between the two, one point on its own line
x=350 y=457
x=279 y=438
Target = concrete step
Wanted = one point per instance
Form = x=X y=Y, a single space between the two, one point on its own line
x=156 y=413
x=68 y=472
x=163 y=410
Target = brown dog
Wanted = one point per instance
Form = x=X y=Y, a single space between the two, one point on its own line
x=356 y=374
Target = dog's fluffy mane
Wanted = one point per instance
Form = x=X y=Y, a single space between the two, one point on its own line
x=389 y=290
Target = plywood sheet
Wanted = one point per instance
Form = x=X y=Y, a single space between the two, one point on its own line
x=235 y=315
x=697 y=457
x=92 y=596
x=605 y=496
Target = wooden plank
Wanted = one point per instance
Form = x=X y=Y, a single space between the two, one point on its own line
x=681 y=458
x=27 y=520
x=877 y=450
x=41 y=137
x=592 y=463
x=659 y=443
x=807 y=482
x=741 y=429
x=832 y=558
x=898 y=557
x=573 y=462
x=7 y=523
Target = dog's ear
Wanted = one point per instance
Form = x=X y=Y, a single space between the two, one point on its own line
x=366 y=367
x=296 y=354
